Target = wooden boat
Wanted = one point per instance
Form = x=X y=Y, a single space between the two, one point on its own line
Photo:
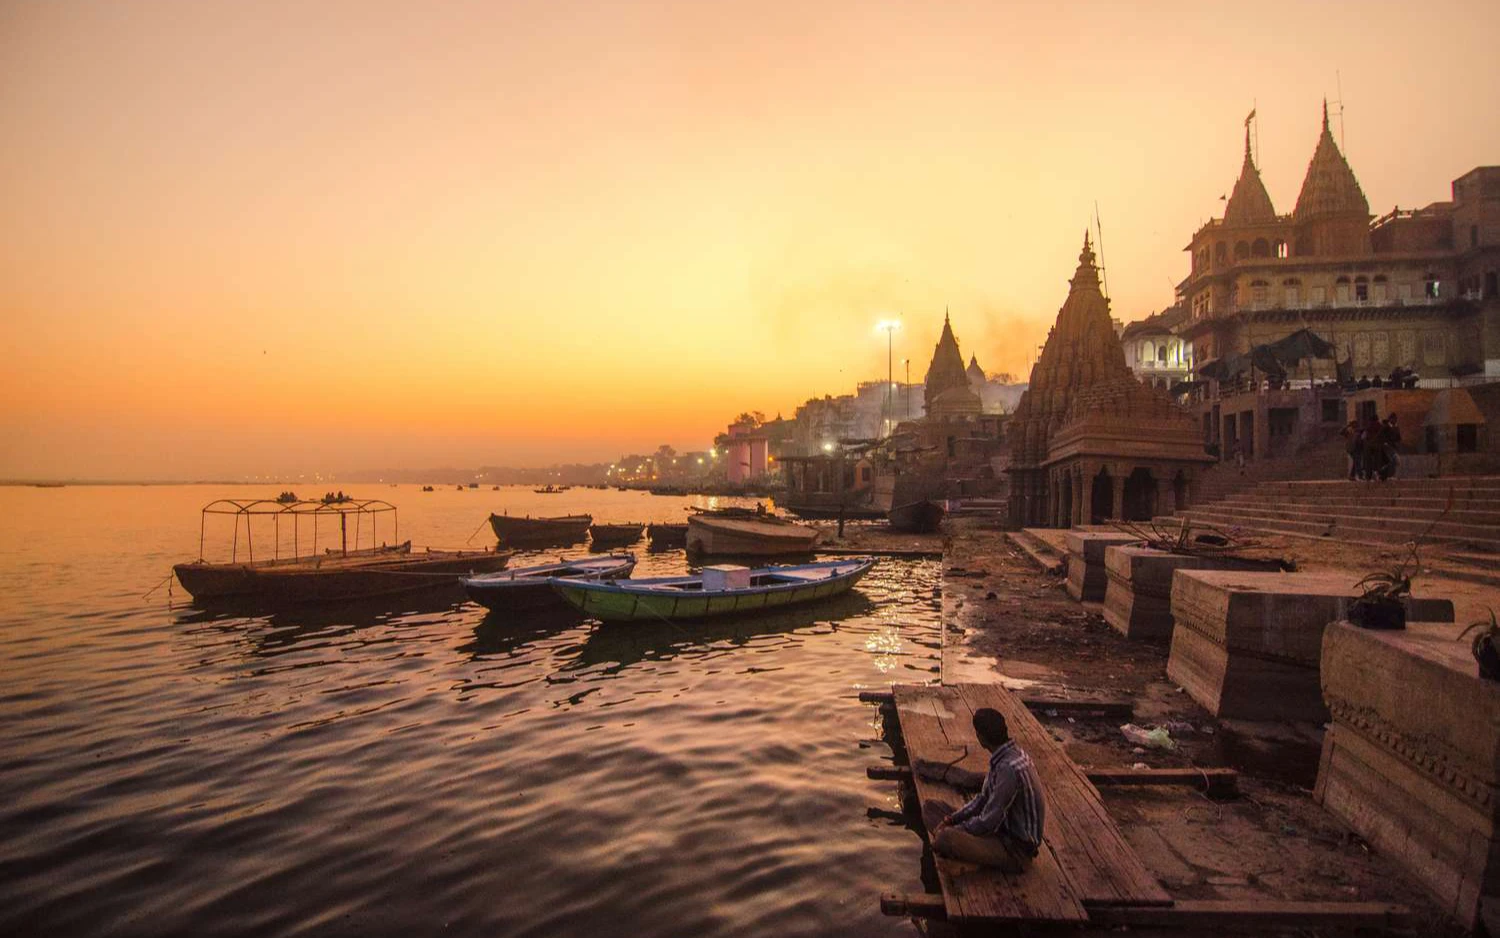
x=340 y=573
x=527 y=587
x=615 y=535
x=666 y=536
x=719 y=591
x=831 y=513
x=921 y=517
x=549 y=490
x=748 y=536
x=539 y=532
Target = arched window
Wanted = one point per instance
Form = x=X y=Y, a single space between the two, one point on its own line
x=1341 y=290
x=1361 y=289
x=1258 y=291
x=1221 y=252
x=1280 y=248
x=1241 y=250
x=1161 y=355
x=1261 y=248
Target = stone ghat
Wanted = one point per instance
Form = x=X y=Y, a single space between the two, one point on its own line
x=1412 y=758
x=1246 y=645
x=1087 y=579
x=1138 y=597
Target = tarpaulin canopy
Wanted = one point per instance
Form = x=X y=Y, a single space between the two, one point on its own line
x=1273 y=359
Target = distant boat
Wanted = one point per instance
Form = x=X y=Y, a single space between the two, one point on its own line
x=830 y=513
x=921 y=517
x=666 y=536
x=719 y=591
x=615 y=535
x=527 y=587
x=748 y=536
x=473 y=485
x=549 y=490
x=427 y=488
x=516 y=531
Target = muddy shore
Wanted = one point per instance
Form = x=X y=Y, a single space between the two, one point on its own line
x=1007 y=621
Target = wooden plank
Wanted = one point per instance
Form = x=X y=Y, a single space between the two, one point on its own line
x=888 y=773
x=1256 y=914
x=916 y=905
x=1113 y=709
x=1099 y=864
x=1210 y=781
x=936 y=726
x=877 y=697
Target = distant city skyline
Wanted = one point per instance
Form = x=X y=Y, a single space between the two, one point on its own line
x=271 y=239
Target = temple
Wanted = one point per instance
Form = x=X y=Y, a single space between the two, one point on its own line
x=948 y=392
x=1089 y=441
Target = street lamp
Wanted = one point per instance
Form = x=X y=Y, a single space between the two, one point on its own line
x=889 y=327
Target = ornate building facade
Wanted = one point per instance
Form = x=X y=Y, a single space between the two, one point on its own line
x=1412 y=289
x=1088 y=440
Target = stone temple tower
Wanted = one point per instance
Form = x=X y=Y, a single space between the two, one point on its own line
x=1086 y=420
x=946 y=371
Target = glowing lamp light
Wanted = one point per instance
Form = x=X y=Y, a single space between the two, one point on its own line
x=827 y=447
x=888 y=325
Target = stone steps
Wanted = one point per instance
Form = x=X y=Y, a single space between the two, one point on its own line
x=1345 y=524
x=1484 y=514
x=1042 y=553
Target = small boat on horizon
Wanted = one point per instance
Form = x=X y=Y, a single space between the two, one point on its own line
x=529 y=587
x=719 y=591
x=516 y=531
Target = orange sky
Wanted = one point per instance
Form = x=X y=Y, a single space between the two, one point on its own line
x=246 y=238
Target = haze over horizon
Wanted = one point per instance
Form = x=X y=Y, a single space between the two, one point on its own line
x=273 y=238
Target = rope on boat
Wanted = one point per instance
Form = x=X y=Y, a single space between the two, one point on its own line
x=166 y=582
x=477 y=530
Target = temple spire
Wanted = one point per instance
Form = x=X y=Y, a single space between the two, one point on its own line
x=1325 y=114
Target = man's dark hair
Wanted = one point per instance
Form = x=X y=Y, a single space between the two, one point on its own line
x=990 y=726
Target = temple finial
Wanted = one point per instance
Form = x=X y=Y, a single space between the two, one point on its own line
x=1247 y=142
x=1325 y=113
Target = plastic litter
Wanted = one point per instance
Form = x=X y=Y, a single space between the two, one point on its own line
x=1158 y=737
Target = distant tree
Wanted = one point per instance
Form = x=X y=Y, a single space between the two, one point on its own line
x=665 y=453
x=753 y=417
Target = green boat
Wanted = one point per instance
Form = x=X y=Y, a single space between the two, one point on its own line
x=719 y=591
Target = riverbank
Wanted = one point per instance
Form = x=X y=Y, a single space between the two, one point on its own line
x=1005 y=621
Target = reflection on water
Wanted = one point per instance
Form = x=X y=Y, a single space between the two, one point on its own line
x=380 y=771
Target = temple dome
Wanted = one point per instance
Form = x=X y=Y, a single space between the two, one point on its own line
x=1329 y=189
x=976 y=374
x=1249 y=203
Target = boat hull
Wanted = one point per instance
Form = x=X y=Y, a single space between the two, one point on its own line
x=540 y=532
x=334 y=579
x=743 y=537
x=917 y=517
x=528 y=590
x=615 y=535
x=623 y=602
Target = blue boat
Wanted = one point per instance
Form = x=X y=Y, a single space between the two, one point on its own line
x=527 y=587
x=718 y=591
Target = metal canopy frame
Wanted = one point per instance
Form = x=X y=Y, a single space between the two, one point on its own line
x=364 y=510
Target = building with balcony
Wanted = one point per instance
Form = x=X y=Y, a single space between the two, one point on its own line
x=1411 y=289
x=1158 y=355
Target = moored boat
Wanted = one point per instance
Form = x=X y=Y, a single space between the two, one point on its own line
x=615 y=535
x=748 y=536
x=922 y=517
x=527 y=587
x=719 y=591
x=515 y=531
x=666 y=536
x=332 y=574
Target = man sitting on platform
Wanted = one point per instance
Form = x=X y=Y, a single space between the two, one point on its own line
x=1002 y=825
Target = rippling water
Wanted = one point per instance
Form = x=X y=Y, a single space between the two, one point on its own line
x=166 y=770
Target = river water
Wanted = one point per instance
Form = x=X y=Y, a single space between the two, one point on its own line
x=367 y=771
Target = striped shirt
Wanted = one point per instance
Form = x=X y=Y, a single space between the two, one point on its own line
x=1010 y=803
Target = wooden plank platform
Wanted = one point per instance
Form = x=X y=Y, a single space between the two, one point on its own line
x=1084 y=857
x=1253 y=914
x=1108 y=709
x=1209 y=781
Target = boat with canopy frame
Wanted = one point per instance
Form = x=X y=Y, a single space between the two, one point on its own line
x=343 y=571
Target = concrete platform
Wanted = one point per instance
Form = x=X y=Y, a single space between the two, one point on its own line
x=1087 y=579
x=1138 y=597
x=1247 y=645
x=1412 y=758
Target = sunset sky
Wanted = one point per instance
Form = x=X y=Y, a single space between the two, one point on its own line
x=252 y=237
